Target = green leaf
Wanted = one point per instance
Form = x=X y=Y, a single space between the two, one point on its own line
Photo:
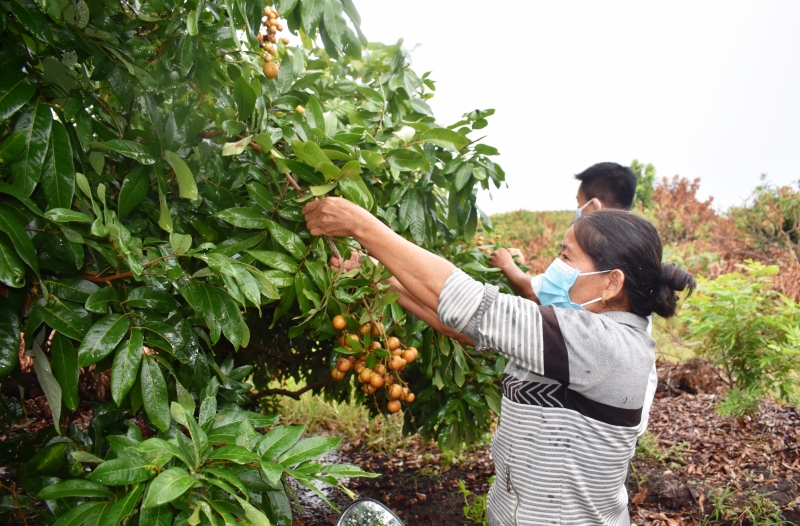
x=445 y=138
x=16 y=88
x=262 y=196
x=123 y=506
x=66 y=318
x=420 y=106
x=164 y=217
x=233 y=325
x=245 y=98
x=272 y=470
x=74 y=488
x=311 y=12
x=168 y=486
x=463 y=174
x=287 y=239
x=35 y=124
x=276 y=260
x=65 y=367
x=50 y=385
x=347 y=471
x=308 y=449
x=50 y=459
x=12 y=271
x=244 y=217
x=235 y=148
x=151 y=298
x=181 y=243
x=58 y=170
x=134 y=188
x=335 y=24
x=278 y=440
x=304 y=171
x=12 y=147
x=32 y=20
x=79 y=514
x=83 y=456
x=354 y=189
x=154 y=394
x=237 y=454
x=126 y=365
x=65 y=215
x=102 y=338
x=156 y=516
x=405 y=160
x=186 y=183
x=98 y=301
x=10 y=338
x=130 y=149
x=122 y=471
x=22 y=243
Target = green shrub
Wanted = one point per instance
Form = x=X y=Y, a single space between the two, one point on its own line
x=749 y=331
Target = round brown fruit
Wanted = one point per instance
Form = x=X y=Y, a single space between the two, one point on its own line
x=392 y=343
x=260 y=38
x=339 y=323
x=395 y=391
x=285 y=41
x=397 y=352
x=268 y=48
x=492 y=242
x=377 y=329
x=365 y=388
x=279 y=26
x=370 y=388
x=393 y=406
x=343 y=364
x=268 y=57
x=349 y=339
x=410 y=397
x=365 y=375
x=271 y=70
x=272 y=30
x=380 y=369
x=364 y=329
x=396 y=363
x=388 y=379
x=376 y=381
x=375 y=345
x=272 y=38
x=267 y=11
x=302 y=111
x=409 y=355
x=479 y=242
x=359 y=365
x=337 y=375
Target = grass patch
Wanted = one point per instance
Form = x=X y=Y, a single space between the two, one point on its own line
x=346 y=418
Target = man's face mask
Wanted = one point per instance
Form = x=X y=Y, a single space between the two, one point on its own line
x=597 y=205
x=556 y=282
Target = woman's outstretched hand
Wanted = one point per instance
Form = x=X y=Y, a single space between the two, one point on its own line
x=334 y=216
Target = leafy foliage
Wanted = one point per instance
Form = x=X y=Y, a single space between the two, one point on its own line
x=150 y=225
x=645 y=185
x=750 y=332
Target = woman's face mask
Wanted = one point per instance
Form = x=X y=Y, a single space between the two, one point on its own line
x=556 y=282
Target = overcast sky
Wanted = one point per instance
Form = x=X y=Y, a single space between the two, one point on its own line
x=706 y=89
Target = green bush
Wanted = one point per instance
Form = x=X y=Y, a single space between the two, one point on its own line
x=751 y=333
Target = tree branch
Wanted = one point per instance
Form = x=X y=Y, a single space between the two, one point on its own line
x=291 y=394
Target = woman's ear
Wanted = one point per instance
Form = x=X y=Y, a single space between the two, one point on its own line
x=614 y=289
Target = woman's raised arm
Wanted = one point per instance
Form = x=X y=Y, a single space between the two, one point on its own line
x=422 y=273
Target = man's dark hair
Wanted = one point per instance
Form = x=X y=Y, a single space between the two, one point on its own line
x=612 y=183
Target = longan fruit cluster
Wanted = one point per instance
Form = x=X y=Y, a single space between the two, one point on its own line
x=268 y=35
x=385 y=373
x=481 y=240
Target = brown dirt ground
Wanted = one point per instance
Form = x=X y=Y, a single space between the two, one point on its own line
x=699 y=454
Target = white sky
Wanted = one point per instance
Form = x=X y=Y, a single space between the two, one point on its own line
x=707 y=89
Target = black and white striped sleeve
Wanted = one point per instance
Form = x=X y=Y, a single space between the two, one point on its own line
x=515 y=327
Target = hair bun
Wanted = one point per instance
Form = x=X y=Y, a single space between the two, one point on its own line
x=673 y=279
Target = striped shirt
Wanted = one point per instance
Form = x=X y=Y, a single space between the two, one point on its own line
x=573 y=392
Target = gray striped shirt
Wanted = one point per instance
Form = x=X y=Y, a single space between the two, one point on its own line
x=572 y=401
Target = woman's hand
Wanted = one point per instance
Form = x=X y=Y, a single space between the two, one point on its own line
x=349 y=264
x=334 y=217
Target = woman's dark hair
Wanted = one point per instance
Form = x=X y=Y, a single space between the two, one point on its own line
x=615 y=239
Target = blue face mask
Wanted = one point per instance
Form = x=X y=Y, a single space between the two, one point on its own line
x=556 y=282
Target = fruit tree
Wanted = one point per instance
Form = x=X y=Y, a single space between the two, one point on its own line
x=154 y=158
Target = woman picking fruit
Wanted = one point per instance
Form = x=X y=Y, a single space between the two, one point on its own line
x=575 y=383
